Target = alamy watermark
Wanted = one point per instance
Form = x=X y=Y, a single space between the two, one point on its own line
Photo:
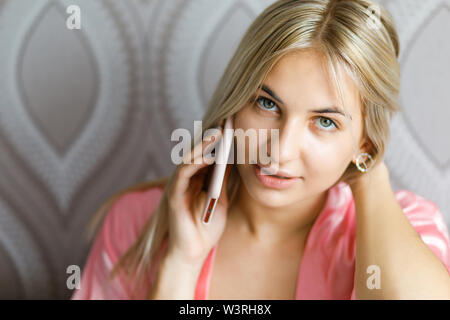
x=74 y=280
x=258 y=150
x=74 y=19
x=374 y=280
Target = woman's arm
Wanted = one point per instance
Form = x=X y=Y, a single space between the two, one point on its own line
x=385 y=238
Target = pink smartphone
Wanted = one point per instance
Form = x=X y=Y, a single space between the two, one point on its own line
x=215 y=184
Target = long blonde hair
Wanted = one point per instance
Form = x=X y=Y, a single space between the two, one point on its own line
x=344 y=31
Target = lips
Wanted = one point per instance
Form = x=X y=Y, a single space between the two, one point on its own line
x=279 y=174
x=264 y=171
x=272 y=181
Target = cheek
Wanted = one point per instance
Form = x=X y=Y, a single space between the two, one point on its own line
x=242 y=118
x=327 y=157
x=249 y=147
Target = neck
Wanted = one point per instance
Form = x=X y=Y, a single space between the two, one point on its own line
x=272 y=226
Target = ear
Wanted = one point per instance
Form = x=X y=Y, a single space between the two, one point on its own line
x=365 y=147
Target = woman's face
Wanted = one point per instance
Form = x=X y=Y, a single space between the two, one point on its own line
x=315 y=143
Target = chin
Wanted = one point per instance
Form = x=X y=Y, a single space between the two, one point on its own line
x=271 y=199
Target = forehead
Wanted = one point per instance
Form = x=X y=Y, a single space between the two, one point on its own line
x=303 y=80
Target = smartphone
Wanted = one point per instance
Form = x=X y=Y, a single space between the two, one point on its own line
x=216 y=181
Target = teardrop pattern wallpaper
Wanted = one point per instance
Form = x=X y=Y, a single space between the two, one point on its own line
x=87 y=112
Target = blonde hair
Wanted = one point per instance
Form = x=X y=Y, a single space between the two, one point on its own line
x=343 y=31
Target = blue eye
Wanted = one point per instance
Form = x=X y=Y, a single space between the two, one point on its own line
x=270 y=102
x=326 y=123
x=264 y=103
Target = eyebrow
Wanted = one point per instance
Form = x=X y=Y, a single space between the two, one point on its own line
x=332 y=109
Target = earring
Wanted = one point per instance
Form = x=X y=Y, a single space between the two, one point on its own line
x=362 y=166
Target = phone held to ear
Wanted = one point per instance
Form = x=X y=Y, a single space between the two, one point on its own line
x=215 y=185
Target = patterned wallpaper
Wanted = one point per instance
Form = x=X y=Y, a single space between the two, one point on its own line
x=87 y=112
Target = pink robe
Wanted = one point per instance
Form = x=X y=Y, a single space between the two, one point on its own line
x=327 y=266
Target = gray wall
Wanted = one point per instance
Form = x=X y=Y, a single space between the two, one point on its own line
x=84 y=113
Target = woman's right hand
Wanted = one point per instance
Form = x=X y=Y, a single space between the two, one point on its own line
x=190 y=240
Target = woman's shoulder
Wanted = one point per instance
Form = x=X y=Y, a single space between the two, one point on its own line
x=425 y=217
x=129 y=213
x=137 y=205
x=413 y=203
x=333 y=237
x=415 y=206
x=428 y=221
x=339 y=215
x=424 y=214
x=139 y=201
x=124 y=219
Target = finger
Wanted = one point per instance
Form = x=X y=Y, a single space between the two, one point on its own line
x=197 y=182
x=200 y=162
x=197 y=151
x=206 y=154
x=184 y=172
x=199 y=205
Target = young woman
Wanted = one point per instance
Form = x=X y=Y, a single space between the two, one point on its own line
x=326 y=75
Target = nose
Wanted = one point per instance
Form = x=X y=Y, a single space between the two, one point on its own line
x=289 y=136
